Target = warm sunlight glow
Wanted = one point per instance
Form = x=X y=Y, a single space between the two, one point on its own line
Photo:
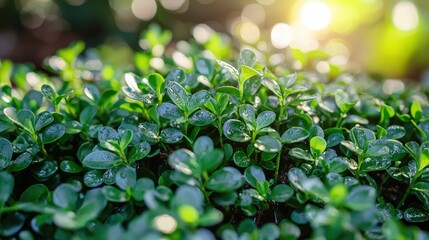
x=405 y=16
x=281 y=35
x=165 y=223
x=315 y=15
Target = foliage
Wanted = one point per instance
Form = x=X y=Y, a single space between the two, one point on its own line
x=216 y=151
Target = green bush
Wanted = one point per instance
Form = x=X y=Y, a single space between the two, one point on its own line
x=237 y=150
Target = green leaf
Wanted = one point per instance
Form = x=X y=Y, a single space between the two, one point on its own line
x=202 y=118
x=300 y=153
x=199 y=98
x=70 y=166
x=423 y=160
x=241 y=159
x=264 y=119
x=226 y=179
x=21 y=162
x=268 y=143
x=23 y=118
x=254 y=175
x=232 y=70
x=126 y=177
x=52 y=133
x=359 y=138
x=139 y=152
x=281 y=193
x=171 y=135
x=246 y=73
x=205 y=67
x=247 y=112
x=415 y=215
x=317 y=145
x=43 y=119
x=210 y=161
x=421 y=187
x=203 y=145
x=12 y=224
x=6 y=152
x=149 y=130
x=126 y=138
x=101 y=160
x=351 y=146
x=65 y=196
x=251 y=86
x=7 y=184
x=361 y=198
x=395 y=132
x=184 y=161
x=87 y=114
x=294 y=135
x=211 y=217
x=45 y=169
x=247 y=57
x=272 y=85
x=142 y=185
x=48 y=92
x=375 y=163
x=343 y=101
x=416 y=110
x=169 y=111
x=315 y=187
x=229 y=90
x=93 y=178
x=178 y=95
x=92 y=92
x=156 y=83
x=236 y=130
x=113 y=194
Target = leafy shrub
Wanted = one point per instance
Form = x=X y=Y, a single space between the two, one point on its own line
x=231 y=151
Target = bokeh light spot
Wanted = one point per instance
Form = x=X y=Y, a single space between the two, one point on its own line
x=281 y=35
x=165 y=223
x=172 y=5
x=405 y=16
x=249 y=32
x=144 y=9
x=315 y=15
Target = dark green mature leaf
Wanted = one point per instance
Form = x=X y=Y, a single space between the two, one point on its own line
x=359 y=138
x=264 y=119
x=254 y=175
x=87 y=114
x=43 y=119
x=52 y=133
x=251 y=86
x=199 y=98
x=6 y=152
x=7 y=184
x=272 y=85
x=247 y=57
x=21 y=162
x=205 y=67
x=101 y=160
x=169 y=111
x=126 y=177
x=236 y=130
x=268 y=144
x=203 y=145
x=65 y=196
x=300 y=153
x=225 y=180
x=69 y=166
x=281 y=193
x=115 y=195
x=241 y=159
x=232 y=70
x=93 y=178
x=45 y=169
x=209 y=161
x=139 y=152
x=171 y=135
x=202 y=118
x=295 y=134
x=343 y=101
x=92 y=92
x=416 y=215
x=247 y=112
x=184 y=161
x=178 y=95
x=361 y=198
x=48 y=92
x=23 y=118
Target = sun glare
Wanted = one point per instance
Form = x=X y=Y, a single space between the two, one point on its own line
x=405 y=16
x=315 y=15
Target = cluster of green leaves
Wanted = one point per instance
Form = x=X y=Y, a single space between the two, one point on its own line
x=215 y=151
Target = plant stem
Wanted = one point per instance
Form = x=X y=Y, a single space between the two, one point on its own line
x=219 y=126
x=276 y=173
x=404 y=197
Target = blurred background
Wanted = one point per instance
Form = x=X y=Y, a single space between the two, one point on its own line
x=388 y=38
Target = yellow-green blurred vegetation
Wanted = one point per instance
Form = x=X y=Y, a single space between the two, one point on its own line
x=386 y=37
